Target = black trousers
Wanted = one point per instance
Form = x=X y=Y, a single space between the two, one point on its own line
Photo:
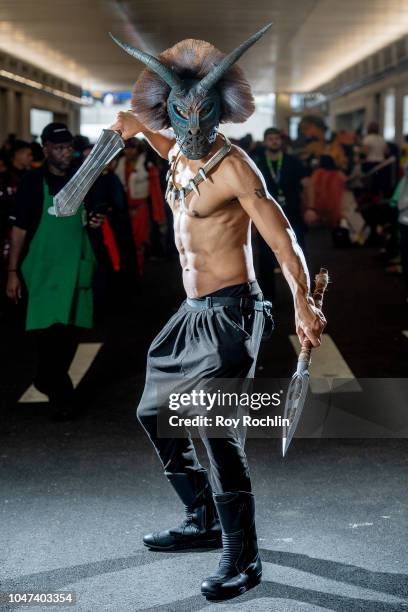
x=56 y=347
x=215 y=342
x=403 y=229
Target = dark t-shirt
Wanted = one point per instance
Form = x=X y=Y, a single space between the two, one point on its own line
x=290 y=183
x=6 y=202
x=28 y=204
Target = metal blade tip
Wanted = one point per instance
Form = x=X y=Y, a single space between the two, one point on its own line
x=262 y=31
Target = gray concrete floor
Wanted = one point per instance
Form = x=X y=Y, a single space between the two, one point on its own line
x=76 y=498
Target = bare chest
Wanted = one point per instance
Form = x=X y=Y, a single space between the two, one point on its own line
x=213 y=198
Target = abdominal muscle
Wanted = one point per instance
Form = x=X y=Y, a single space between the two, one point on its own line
x=215 y=252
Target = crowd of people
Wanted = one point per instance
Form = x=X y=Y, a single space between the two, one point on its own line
x=355 y=185
x=129 y=194
x=65 y=271
x=62 y=270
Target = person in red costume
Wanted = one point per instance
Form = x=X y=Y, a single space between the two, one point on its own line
x=140 y=179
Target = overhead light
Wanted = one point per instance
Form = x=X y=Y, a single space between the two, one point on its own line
x=16 y=41
x=36 y=85
x=343 y=52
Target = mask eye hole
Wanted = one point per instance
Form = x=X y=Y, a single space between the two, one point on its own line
x=182 y=113
x=206 y=109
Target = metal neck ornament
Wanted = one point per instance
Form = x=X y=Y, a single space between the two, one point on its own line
x=174 y=194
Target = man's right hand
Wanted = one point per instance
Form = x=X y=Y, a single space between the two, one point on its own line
x=13 y=288
x=127 y=124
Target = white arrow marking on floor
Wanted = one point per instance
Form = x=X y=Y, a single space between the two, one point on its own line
x=327 y=362
x=82 y=361
x=405 y=332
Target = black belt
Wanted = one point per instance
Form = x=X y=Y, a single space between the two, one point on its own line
x=243 y=302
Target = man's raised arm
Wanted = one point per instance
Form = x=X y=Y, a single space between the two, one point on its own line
x=269 y=219
x=129 y=125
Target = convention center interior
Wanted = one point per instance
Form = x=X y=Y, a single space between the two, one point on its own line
x=204 y=305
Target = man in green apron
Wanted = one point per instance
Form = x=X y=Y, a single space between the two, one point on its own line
x=57 y=265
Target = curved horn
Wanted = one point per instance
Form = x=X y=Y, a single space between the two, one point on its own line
x=217 y=72
x=166 y=73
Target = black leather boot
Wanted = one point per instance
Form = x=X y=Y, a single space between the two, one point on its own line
x=201 y=527
x=240 y=566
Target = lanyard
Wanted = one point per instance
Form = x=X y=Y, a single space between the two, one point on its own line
x=276 y=175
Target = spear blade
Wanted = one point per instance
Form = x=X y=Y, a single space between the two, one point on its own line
x=295 y=402
x=299 y=385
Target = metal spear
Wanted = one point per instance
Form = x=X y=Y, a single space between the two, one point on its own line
x=299 y=385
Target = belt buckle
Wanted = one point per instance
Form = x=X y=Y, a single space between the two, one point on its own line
x=267 y=307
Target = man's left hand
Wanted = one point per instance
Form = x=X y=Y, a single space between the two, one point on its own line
x=96 y=220
x=310 y=321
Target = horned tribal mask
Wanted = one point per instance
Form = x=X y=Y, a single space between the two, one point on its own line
x=192 y=87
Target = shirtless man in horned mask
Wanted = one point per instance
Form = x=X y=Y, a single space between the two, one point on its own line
x=215 y=191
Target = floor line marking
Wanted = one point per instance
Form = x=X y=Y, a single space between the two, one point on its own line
x=327 y=362
x=82 y=361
